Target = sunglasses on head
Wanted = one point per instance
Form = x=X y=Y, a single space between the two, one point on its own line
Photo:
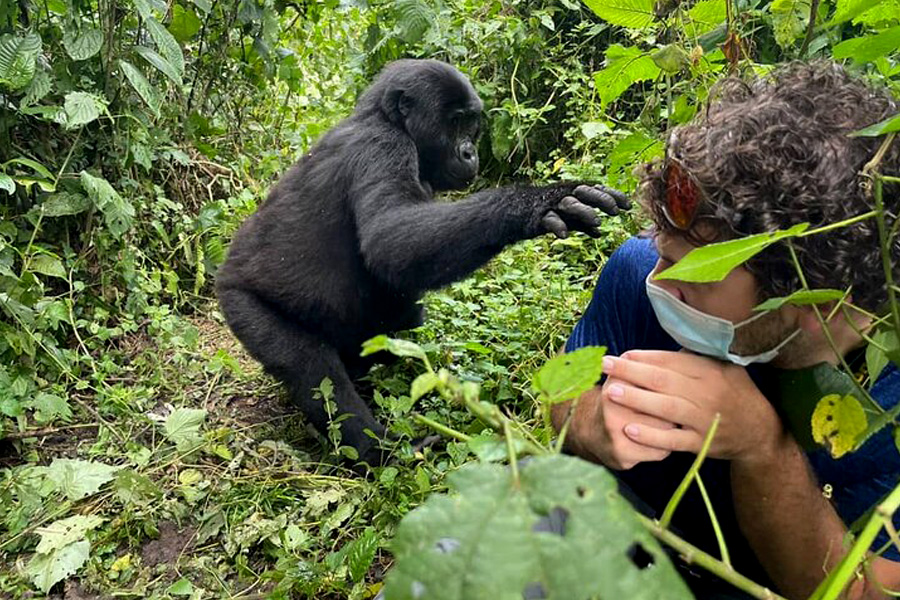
x=682 y=195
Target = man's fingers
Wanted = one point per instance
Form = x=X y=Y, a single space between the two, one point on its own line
x=686 y=363
x=669 y=440
x=665 y=378
x=673 y=409
x=597 y=198
x=555 y=225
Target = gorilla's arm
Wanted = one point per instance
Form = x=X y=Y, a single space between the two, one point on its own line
x=414 y=243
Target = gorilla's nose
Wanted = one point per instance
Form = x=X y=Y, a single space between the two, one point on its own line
x=468 y=154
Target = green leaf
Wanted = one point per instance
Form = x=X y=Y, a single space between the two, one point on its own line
x=140 y=84
x=671 y=58
x=182 y=587
x=592 y=129
x=77 y=479
x=39 y=87
x=394 y=346
x=48 y=265
x=848 y=9
x=714 y=262
x=32 y=164
x=18 y=59
x=166 y=44
x=490 y=447
x=868 y=48
x=801 y=298
x=117 y=212
x=46 y=570
x=889 y=125
x=184 y=24
x=423 y=384
x=81 y=45
x=876 y=358
x=82 y=108
x=634 y=149
x=705 y=16
x=65 y=531
x=489 y=539
x=624 y=68
x=65 y=203
x=837 y=422
x=633 y=14
x=48 y=407
x=361 y=554
x=161 y=64
x=790 y=19
x=569 y=375
x=182 y=427
x=7 y=184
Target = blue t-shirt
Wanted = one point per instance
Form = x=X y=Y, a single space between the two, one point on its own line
x=621 y=318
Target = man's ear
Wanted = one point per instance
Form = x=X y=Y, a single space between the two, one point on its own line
x=396 y=105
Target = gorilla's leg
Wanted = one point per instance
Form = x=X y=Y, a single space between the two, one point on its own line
x=300 y=360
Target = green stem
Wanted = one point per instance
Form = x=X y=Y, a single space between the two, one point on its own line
x=723 y=549
x=839 y=224
x=441 y=428
x=513 y=462
x=694 y=556
x=885 y=242
x=692 y=472
x=564 y=430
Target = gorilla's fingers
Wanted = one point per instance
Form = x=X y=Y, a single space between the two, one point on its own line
x=598 y=198
x=577 y=215
x=555 y=225
x=622 y=200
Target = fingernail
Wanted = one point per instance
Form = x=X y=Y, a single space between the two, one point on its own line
x=632 y=430
x=608 y=364
x=616 y=391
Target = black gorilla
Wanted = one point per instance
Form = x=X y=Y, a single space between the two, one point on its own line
x=350 y=238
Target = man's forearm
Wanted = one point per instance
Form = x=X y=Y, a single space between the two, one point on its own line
x=793 y=529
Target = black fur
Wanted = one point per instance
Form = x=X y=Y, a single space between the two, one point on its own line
x=350 y=238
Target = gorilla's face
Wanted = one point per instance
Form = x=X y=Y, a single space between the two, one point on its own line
x=442 y=114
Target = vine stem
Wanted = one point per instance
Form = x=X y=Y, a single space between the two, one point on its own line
x=723 y=549
x=441 y=428
x=691 y=474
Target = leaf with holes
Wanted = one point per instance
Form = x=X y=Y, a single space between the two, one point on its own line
x=46 y=570
x=713 y=262
x=837 y=423
x=633 y=14
x=18 y=59
x=65 y=531
x=77 y=479
x=569 y=375
x=81 y=45
x=561 y=532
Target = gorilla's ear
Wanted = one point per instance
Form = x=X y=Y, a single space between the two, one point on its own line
x=396 y=105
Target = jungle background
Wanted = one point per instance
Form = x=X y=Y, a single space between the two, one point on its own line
x=135 y=135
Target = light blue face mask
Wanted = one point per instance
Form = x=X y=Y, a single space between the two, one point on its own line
x=703 y=333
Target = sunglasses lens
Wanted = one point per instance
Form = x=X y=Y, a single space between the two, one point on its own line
x=682 y=197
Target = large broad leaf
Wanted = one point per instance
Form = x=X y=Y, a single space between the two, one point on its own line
x=185 y=24
x=82 y=108
x=167 y=44
x=183 y=427
x=889 y=125
x=18 y=57
x=39 y=87
x=790 y=19
x=140 y=84
x=64 y=203
x=705 y=16
x=161 y=64
x=634 y=149
x=7 y=183
x=46 y=570
x=65 y=531
x=866 y=49
x=567 y=376
x=848 y=9
x=624 y=67
x=714 y=262
x=81 y=45
x=47 y=265
x=78 y=478
x=562 y=531
x=633 y=14
x=799 y=392
x=117 y=212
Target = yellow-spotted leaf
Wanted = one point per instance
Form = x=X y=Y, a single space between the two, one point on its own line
x=837 y=422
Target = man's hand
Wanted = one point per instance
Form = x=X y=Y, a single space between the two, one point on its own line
x=596 y=432
x=688 y=390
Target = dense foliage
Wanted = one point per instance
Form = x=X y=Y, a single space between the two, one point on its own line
x=141 y=449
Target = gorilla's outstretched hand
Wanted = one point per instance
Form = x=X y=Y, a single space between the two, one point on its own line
x=577 y=211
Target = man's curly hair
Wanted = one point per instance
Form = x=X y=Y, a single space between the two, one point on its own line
x=774 y=152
